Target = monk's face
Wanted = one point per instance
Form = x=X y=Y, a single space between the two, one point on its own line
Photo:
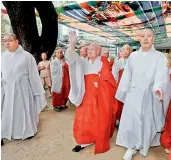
x=104 y=52
x=146 y=38
x=93 y=51
x=126 y=51
x=83 y=52
x=59 y=54
x=44 y=56
x=10 y=43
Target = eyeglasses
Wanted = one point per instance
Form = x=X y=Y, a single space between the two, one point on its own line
x=9 y=40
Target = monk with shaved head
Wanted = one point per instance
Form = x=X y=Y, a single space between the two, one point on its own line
x=141 y=89
x=22 y=93
x=92 y=91
x=83 y=52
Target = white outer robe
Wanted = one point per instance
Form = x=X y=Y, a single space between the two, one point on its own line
x=23 y=96
x=79 y=67
x=56 y=75
x=118 y=65
x=143 y=114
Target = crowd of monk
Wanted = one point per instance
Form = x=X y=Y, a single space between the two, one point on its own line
x=131 y=92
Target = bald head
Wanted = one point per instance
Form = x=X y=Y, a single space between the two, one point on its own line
x=83 y=52
x=93 y=50
x=104 y=52
x=10 y=36
x=11 y=42
x=146 y=39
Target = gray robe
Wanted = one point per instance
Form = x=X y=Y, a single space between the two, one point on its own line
x=143 y=113
x=22 y=95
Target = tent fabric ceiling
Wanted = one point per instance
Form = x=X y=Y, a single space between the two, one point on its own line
x=119 y=21
x=116 y=20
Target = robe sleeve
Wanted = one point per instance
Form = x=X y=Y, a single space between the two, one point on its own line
x=36 y=85
x=115 y=70
x=161 y=75
x=124 y=82
x=34 y=78
x=56 y=75
x=76 y=73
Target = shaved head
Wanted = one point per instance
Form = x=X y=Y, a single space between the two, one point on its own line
x=10 y=36
x=148 y=31
x=11 y=42
x=83 y=52
x=146 y=39
x=93 y=50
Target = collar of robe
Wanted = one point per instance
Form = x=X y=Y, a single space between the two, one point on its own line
x=152 y=49
x=18 y=50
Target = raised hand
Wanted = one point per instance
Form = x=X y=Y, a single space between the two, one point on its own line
x=72 y=38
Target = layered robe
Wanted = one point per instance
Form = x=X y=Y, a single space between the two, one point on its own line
x=94 y=118
x=60 y=82
x=166 y=134
x=143 y=113
x=117 y=71
x=22 y=95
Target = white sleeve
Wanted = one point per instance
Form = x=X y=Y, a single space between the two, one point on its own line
x=124 y=82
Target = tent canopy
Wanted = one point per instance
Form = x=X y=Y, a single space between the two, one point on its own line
x=118 y=21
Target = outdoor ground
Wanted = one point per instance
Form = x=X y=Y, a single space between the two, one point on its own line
x=55 y=141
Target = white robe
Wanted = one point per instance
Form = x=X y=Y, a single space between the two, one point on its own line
x=118 y=65
x=22 y=95
x=56 y=75
x=143 y=114
x=79 y=67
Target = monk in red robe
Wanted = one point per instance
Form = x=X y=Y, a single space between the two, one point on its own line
x=105 y=53
x=166 y=134
x=92 y=91
x=118 y=69
x=60 y=81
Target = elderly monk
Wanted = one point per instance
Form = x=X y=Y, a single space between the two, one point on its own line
x=117 y=71
x=141 y=89
x=105 y=53
x=166 y=134
x=22 y=93
x=83 y=52
x=92 y=90
x=60 y=81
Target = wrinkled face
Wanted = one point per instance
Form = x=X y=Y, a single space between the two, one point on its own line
x=83 y=52
x=146 y=38
x=105 y=52
x=93 y=51
x=59 y=54
x=126 y=51
x=44 y=56
x=10 y=43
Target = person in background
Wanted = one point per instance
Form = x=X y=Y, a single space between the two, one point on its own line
x=105 y=53
x=83 y=52
x=60 y=81
x=44 y=68
x=117 y=71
